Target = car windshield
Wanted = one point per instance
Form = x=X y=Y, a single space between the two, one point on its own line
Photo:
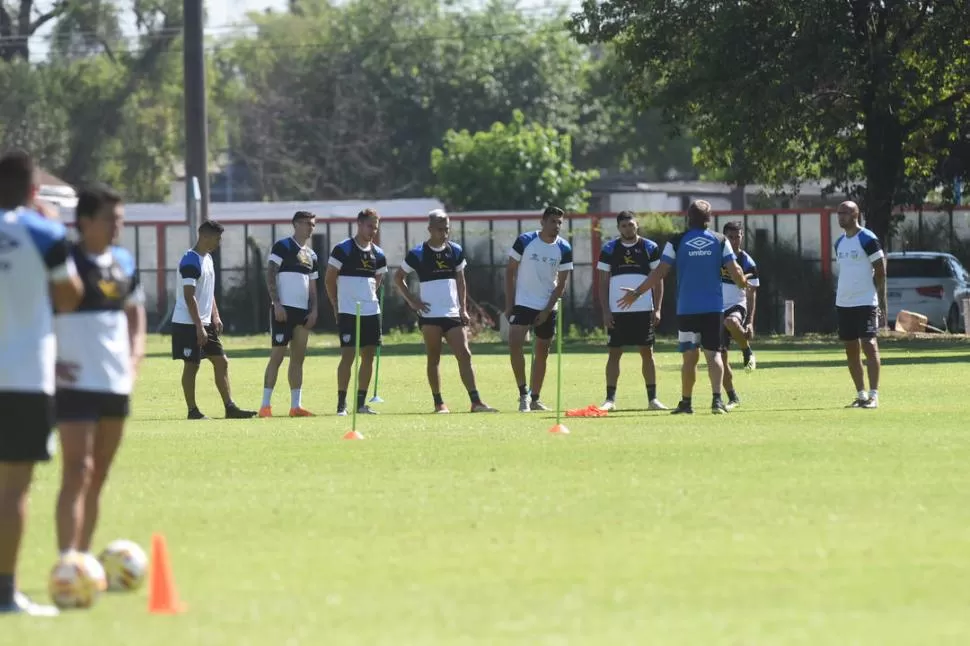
x=918 y=268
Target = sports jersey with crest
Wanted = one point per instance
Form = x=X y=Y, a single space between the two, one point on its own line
x=437 y=271
x=297 y=267
x=732 y=294
x=698 y=256
x=33 y=252
x=195 y=270
x=539 y=265
x=358 y=269
x=855 y=256
x=94 y=338
x=628 y=266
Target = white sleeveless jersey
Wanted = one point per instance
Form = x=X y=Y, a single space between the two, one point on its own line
x=33 y=253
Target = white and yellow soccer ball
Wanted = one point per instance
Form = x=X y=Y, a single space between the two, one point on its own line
x=76 y=581
x=125 y=565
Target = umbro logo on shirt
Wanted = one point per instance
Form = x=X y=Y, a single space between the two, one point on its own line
x=700 y=247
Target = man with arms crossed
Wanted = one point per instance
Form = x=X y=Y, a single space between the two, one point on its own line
x=440 y=266
x=291 y=277
x=739 y=309
x=196 y=325
x=99 y=347
x=860 y=301
x=36 y=272
x=355 y=271
x=698 y=255
x=624 y=263
x=539 y=265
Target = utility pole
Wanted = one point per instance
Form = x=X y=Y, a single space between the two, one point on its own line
x=196 y=119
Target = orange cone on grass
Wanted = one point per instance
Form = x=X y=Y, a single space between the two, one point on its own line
x=163 y=598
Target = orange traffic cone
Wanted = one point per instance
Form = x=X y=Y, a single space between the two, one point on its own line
x=353 y=435
x=559 y=429
x=163 y=599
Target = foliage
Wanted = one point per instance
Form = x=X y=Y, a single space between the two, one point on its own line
x=783 y=91
x=511 y=166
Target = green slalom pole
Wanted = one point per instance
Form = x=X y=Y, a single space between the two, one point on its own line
x=353 y=422
x=559 y=427
x=377 y=369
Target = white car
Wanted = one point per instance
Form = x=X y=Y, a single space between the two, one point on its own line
x=930 y=283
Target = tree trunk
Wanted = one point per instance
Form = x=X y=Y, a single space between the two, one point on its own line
x=884 y=171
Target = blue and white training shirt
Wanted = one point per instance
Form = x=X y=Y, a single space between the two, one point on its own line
x=628 y=266
x=539 y=266
x=734 y=295
x=94 y=337
x=33 y=253
x=195 y=270
x=437 y=270
x=698 y=255
x=358 y=268
x=855 y=256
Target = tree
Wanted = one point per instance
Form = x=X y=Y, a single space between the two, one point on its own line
x=513 y=166
x=19 y=21
x=788 y=90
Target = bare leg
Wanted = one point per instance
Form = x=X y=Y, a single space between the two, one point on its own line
x=77 y=465
x=728 y=373
x=276 y=356
x=853 y=354
x=871 y=349
x=613 y=371
x=458 y=341
x=715 y=370
x=298 y=344
x=220 y=367
x=189 y=372
x=432 y=346
x=106 y=444
x=14 y=483
x=688 y=372
x=539 y=367
x=517 y=354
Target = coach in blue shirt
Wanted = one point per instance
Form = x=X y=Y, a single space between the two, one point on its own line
x=698 y=255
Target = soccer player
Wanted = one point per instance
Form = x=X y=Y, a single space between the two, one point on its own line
x=99 y=347
x=36 y=272
x=624 y=263
x=291 y=277
x=698 y=255
x=196 y=325
x=860 y=301
x=739 y=310
x=539 y=265
x=441 y=307
x=355 y=270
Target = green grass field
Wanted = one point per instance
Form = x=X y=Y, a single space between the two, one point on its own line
x=789 y=521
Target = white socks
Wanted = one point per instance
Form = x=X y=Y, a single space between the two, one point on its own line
x=296 y=398
x=267 y=396
x=873 y=394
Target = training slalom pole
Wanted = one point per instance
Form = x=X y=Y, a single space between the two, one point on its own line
x=352 y=434
x=559 y=428
x=377 y=369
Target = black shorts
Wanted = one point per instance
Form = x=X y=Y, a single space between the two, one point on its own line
x=857 y=322
x=185 y=347
x=27 y=422
x=738 y=312
x=527 y=316
x=702 y=330
x=370 y=330
x=88 y=406
x=447 y=324
x=631 y=328
x=282 y=333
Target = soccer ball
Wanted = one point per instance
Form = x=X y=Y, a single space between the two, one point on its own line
x=124 y=564
x=76 y=581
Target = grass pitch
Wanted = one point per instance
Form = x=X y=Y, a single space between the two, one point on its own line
x=788 y=521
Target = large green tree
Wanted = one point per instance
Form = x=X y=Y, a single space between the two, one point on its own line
x=784 y=90
x=510 y=166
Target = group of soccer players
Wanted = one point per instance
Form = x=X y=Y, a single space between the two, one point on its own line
x=72 y=334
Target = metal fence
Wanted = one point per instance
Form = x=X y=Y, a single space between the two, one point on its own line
x=486 y=237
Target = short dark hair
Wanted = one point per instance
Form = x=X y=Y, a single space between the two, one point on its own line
x=699 y=213
x=303 y=215
x=367 y=214
x=553 y=212
x=94 y=197
x=16 y=179
x=624 y=216
x=733 y=225
x=211 y=227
